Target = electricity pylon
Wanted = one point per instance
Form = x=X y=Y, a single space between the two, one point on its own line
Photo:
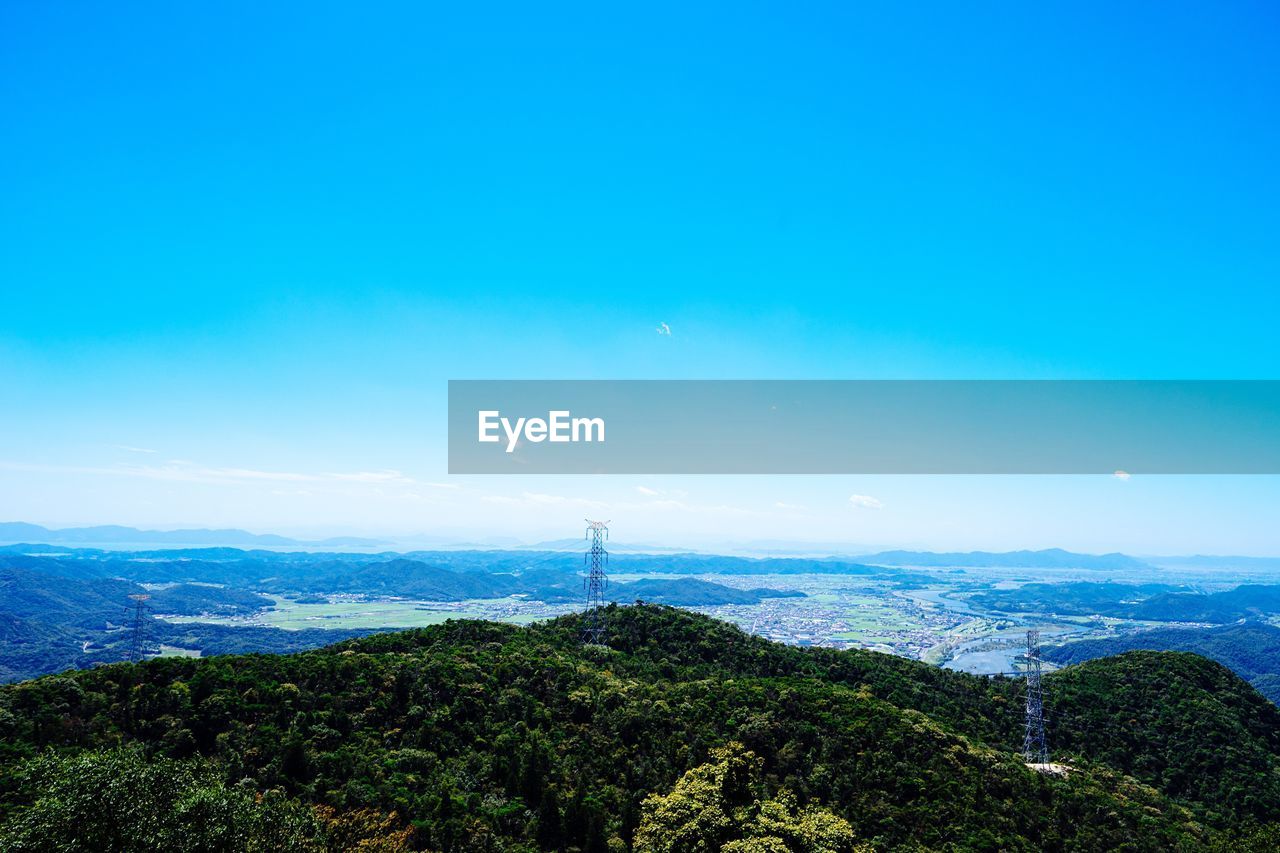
x=1034 y=748
x=597 y=560
x=137 y=643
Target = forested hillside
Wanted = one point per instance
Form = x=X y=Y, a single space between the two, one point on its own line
x=68 y=617
x=1251 y=650
x=474 y=736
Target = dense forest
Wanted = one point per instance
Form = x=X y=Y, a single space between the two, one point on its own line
x=682 y=734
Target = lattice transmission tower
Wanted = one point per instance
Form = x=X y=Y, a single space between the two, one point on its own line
x=1034 y=748
x=596 y=560
x=138 y=638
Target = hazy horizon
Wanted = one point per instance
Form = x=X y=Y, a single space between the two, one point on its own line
x=309 y=539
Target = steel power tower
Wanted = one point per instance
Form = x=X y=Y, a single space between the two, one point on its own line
x=597 y=560
x=1034 y=748
x=137 y=643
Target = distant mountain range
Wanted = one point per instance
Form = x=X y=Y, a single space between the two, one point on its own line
x=117 y=536
x=1211 y=562
x=1051 y=558
x=578 y=544
x=114 y=534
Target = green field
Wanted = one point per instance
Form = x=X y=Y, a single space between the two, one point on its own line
x=292 y=616
x=357 y=614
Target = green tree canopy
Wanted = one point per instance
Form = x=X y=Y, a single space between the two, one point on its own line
x=119 y=801
x=719 y=806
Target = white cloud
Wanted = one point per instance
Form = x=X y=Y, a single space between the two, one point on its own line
x=372 y=477
x=645 y=490
x=672 y=504
x=537 y=498
x=185 y=471
x=133 y=449
x=785 y=505
x=534 y=499
x=1122 y=475
x=664 y=329
x=197 y=473
x=865 y=502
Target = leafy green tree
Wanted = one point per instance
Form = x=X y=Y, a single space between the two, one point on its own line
x=120 y=802
x=718 y=806
x=1258 y=838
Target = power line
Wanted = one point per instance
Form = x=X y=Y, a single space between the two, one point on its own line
x=596 y=560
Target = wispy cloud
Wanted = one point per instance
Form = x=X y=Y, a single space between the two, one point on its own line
x=1122 y=475
x=673 y=505
x=195 y=472
x=785 y=505
x=650 y=492
x=179 y=470
x=372 y=477
x=664 y=329
x=865 y=502
x=130 y=448
x=537 y=499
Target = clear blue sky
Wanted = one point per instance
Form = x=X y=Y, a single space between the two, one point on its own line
x=258 y=242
